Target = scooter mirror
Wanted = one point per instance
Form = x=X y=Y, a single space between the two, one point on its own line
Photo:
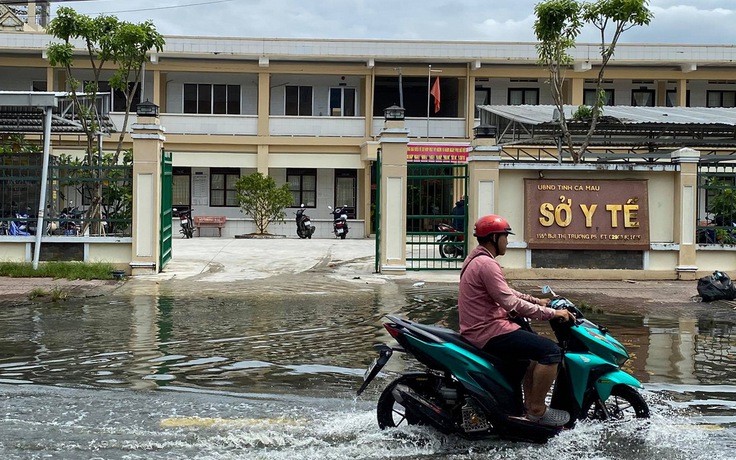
x=548 y=290
x=329 y=207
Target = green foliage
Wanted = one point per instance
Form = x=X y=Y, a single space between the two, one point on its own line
x=557 y=27
x=723 y=201
x=57 y=270
x=107 y=40
x=17 y=143
x=622 y=15
x=583 y=112
x=261 y=199
x=115 y=178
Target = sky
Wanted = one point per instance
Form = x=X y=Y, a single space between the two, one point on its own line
x=681 y=22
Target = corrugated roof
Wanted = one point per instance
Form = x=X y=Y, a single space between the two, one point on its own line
x=541 y=114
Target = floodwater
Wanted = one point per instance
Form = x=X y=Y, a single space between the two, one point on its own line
x=272 y=374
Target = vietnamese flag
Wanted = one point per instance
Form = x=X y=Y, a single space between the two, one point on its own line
x=436 y=94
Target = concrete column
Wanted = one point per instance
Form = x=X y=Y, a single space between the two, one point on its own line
x=577 y=91
x=159 y=90
x=661 y=93
x=264 y=102
x=686 y=208
x=682 y=93
x=483 y=176
x=368 y=155
x=393 y=141
x=50 y=79
x=262 y=159
x=148 y=141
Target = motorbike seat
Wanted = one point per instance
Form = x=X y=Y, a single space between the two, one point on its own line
x=453 y=337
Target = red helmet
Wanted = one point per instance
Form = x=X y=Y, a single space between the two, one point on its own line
x=491 y=224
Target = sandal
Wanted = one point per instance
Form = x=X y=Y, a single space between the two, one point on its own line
x=551 y=417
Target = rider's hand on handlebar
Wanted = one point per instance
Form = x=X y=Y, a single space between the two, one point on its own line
x=564 y=315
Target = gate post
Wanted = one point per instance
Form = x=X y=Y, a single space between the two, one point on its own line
x=148 y=141
x=686 y=211
x=483 y=175
x=393 y=143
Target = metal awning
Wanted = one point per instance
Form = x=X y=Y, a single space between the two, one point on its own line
x=654 y=129
x=624 y=115
x=22 y=112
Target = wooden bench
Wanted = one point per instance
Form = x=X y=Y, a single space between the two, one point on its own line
x=209 y=222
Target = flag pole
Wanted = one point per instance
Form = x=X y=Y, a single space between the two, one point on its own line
x=429 y=90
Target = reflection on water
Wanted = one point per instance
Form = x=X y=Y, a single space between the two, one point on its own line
x=315 y=342
x=271 y=342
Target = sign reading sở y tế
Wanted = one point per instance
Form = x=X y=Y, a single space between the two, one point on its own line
x=586 y=214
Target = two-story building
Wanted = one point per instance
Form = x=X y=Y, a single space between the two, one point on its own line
x=309 y=111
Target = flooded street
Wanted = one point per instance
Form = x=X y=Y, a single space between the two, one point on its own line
x=272 y=374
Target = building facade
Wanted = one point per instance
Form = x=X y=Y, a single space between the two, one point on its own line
x=309 y=112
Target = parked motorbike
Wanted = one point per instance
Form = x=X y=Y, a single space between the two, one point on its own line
x=474 y=394
x=451 y=241
x=186 y=225
x=70 y=219
x=304 y=226
x=25 y=224
x=339 y=221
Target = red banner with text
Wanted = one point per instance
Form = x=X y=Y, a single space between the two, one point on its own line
x=437 y=153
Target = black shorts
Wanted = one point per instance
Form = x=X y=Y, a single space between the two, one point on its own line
x=522 y=344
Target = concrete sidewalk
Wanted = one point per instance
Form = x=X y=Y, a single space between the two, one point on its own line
x=223 y=260
x=224 y=266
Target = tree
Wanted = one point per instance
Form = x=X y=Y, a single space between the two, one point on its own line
x=261 y=199
x=557 y=27
x=107 y=41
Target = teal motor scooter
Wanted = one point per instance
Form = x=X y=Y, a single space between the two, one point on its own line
x=471 y=393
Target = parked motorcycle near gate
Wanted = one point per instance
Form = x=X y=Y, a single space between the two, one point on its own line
x=339 y=221
x=26 y=225
x=304 y=226
x=70 y=221
x=451 y=242
x=469 y=392
x=186 y=225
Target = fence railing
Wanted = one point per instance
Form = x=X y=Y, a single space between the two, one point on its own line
x=81 y=200
x=716 y=202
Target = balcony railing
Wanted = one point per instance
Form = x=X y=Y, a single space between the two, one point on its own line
x=281 y=125
x=317 y=126
x=436 y=128
x=187 y=123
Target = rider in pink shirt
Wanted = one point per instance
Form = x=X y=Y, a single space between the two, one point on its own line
x=487 y=307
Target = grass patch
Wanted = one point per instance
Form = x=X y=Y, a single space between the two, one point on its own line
x=36 y=293
x=58 y=270
x=59 y=294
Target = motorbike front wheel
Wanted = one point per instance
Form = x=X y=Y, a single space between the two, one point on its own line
x=625 y=403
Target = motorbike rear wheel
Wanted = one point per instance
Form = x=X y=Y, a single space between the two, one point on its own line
x=625 y=403
x=449 y=248
x=391 y=414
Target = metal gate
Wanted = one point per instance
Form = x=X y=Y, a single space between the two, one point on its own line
x=437 y=214
x=166 y=224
